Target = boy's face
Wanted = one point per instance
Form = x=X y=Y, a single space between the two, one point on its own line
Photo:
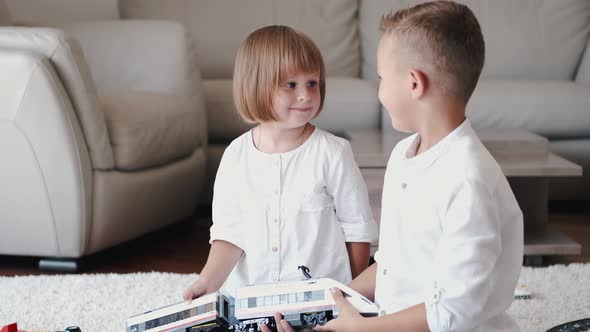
x=297 y=99
x=394 y=85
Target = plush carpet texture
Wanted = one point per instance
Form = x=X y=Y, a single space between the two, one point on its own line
x=102 y=302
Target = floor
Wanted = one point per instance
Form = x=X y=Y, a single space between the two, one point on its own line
x=183 y=247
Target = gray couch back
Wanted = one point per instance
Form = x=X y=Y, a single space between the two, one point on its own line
x=219 y=26
x=525 y=39
x=51 y=12
x=5 y=17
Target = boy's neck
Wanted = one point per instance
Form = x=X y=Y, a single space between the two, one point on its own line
x=270 y=138
x=438 y=123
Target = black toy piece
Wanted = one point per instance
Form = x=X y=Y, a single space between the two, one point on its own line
x=581 y=325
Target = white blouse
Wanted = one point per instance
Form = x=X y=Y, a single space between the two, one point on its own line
x=451 y=235
x=290 y=209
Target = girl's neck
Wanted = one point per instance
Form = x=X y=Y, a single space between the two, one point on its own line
x=270 y=138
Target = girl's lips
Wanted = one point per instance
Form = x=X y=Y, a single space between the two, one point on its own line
x=306 y=109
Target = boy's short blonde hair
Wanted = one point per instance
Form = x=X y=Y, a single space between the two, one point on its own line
x=444 y=38
x=264 y=60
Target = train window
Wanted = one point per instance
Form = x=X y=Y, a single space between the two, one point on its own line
x=251 y=302
x=208 y=307
x=193 y=311
x=283 y=298
x=267 y=300
x=300 y=297
x=307 y=296
x=184 y=314
x=260 y=301
x=201 y=309
x=276 y=299
x=317 y=295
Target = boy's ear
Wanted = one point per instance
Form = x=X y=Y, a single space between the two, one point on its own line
x=418 y=83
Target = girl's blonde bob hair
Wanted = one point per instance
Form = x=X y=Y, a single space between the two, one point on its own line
x=266 y=58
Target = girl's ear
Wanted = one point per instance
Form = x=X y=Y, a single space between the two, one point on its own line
x=418 y=83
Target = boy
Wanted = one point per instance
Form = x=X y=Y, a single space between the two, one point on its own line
x=451 y=238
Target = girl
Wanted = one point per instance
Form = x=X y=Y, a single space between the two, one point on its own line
x=288 y=197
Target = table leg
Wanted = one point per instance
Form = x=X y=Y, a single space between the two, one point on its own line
x=531 y=194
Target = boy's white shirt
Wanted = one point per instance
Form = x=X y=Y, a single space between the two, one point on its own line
x=451 y=235
x=305 y=203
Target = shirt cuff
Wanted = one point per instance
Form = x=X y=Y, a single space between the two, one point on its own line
x=437 y=317
x=365 y=231
x=228 y=234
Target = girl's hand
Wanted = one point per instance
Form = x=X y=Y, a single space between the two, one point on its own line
x=282 y=325
x=198 y=288
x=349 y=318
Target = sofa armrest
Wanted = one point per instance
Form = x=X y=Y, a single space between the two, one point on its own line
x=583 y=74
x=67 y=60
x=136 y=55
x=46 y=171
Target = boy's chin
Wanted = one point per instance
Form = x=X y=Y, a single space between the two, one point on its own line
x=401 y=127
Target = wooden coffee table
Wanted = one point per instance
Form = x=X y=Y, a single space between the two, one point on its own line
x=526 y=161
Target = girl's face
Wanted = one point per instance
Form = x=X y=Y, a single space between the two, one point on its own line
x=297 y=99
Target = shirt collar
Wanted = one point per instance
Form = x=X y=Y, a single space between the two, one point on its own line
x=265 y=155
x=430 y=156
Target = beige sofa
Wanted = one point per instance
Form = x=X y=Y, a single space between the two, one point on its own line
x=537 y=77
x=102 y=129
x=537 y=72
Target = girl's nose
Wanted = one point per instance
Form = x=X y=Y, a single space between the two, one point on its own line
x=303 y=96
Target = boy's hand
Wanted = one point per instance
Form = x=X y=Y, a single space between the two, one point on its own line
x=282 y=325
x=349 y=318
x=198 y=288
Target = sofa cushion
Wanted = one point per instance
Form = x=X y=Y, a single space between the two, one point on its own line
x=5 y=17
x=47 y=13
x=223 y=121
x=554 y=109
x=121 y=58
x=525 y=39
x=583 y=74
x=351 y=103
x=149 y=129
x=219 y=27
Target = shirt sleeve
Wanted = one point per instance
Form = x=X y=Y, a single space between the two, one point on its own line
x=225 y=210
x=351 y=199
x=466 y=267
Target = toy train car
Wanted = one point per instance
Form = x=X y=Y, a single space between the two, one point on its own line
x=208 y=313
x=303 y=303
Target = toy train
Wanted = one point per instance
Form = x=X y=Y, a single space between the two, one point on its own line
x=208 y=313
x=303 y=304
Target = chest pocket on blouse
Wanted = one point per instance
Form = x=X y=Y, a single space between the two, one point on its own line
x=317 y=200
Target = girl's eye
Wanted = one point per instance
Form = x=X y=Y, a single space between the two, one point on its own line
x=291 y=85
x=312 y=84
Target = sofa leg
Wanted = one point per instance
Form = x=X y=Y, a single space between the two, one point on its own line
x=533 y=260
x=59 y=264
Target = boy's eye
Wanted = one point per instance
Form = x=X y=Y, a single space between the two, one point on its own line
x=312 y=84
x=291 y=85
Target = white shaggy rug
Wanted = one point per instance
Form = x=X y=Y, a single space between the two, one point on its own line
x=99 y=303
